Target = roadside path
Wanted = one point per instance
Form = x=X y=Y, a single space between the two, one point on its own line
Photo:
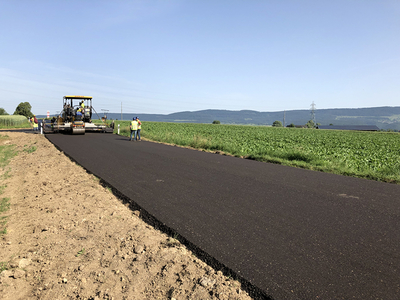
x=293 y=233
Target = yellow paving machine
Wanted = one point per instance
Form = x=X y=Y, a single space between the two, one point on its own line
x=76 y=117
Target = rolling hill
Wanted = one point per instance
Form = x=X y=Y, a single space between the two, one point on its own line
x=383 y=117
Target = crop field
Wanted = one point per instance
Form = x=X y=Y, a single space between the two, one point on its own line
x=373 y=155
x=13 y=121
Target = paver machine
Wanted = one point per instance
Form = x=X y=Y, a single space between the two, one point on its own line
x=76 y=117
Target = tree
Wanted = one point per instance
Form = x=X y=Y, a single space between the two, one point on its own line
x=277 y=124
x=291 y=125
x=310 y=124
x=24 y=109
x=3 y=112
x=216 y=122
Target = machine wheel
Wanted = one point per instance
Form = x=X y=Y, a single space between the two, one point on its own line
x=78 y=130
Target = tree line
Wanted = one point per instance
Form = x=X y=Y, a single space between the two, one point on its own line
x=23 y=109
x=309 y=124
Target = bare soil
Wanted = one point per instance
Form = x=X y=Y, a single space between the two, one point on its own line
x=68 y=237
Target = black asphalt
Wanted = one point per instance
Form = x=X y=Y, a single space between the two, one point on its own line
x=293 y=233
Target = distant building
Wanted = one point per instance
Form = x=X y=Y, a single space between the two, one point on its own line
x=349 y=127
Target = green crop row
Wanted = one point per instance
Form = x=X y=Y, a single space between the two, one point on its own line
x=13 y=121
x=373 y=155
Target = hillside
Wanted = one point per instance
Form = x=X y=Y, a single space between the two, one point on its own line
x=384 y=117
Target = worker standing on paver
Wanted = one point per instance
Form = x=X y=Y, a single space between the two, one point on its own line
x=133 y=127
x=79 y=114
x=139 y=127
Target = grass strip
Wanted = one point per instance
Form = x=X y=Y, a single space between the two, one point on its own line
x=4 y=204
x=7 y=151
x=30 y=149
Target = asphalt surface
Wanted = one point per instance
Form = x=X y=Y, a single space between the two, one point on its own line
x=293 y=233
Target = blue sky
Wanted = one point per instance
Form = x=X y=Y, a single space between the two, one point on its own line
x=169 y=56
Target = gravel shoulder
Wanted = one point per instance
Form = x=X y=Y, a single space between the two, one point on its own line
x=68 y=237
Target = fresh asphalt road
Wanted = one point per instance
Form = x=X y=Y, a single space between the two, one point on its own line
x=293 y=233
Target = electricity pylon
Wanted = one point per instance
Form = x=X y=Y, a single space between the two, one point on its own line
x=313 y=108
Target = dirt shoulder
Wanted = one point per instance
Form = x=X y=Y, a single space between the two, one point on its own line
x=68 y=237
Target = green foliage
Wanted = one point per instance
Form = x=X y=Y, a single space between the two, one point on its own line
x=4 y=204
x=5 y=175
x=372 y=155
x=3 y=266
x=3 y=112
x=277 y=124
x=24 y=109
x=387 y=130
x=310 y=124
x=291 y=125
x=216 y=122
x=3 y=228
x=30 y=149
x=124 y=127
x=6 y=153
x=80 y=252
x=2 y=187
x=14 y=121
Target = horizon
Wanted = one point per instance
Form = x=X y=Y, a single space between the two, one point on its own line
x=187 y=111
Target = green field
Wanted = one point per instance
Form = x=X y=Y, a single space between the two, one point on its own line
x=372 y=155
x=14 y=121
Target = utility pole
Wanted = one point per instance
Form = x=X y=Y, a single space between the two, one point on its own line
x=313 y=113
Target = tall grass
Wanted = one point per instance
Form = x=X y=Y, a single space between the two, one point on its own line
x=123 y=127
x=14 y=121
